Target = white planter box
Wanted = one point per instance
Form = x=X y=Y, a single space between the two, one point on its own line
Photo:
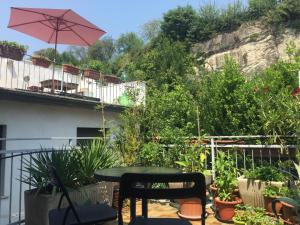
x=37 y=206
x=251 y=191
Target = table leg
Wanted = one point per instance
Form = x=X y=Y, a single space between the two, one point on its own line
x=145 y=208
x=132 y=208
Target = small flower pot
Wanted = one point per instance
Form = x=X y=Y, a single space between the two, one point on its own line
x=71 y=69
x=288 y=213
x=190 y=208
x=268 y=205
x=38 y=61
x=111 y=79
x=225 y=210
x=92 y=74
x=11 y=52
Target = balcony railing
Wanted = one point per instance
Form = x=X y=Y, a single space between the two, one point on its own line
x=24 y=75
x=12 y=159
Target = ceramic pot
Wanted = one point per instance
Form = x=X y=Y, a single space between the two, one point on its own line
x=40 y=62
x=225 y=210
x=268 y=205
x=190 y=208
x=11 y=52
x=92 y=74
x=71 y=69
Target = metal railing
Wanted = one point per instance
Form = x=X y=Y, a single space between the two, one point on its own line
x=24 y=75
x=246 y=156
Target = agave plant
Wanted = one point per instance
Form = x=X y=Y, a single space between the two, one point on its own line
x=36 y=172
x=95 y=155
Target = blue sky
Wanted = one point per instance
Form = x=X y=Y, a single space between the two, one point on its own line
x=114 y=16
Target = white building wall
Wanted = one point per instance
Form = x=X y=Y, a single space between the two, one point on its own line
x=33 y=120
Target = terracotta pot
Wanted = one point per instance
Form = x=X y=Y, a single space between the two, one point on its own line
x=268 y=205
x=92 y=74
x=40 y=61
x=111 y=79
x=225 y=210
x=190 y=208
x=71 y=69
x=11 y=52
x=288 y=213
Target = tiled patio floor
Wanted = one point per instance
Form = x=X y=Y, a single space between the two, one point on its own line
x=164 y=210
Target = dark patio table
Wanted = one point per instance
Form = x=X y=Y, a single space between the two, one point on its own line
x=114 y=175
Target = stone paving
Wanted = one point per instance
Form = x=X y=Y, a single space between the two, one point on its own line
x=164 y=210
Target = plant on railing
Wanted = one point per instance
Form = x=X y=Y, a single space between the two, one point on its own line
x=23 y=48
x=12 y=50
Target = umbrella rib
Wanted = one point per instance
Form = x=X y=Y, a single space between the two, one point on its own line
x=22 y=24
x=27 y=10
x=80 y=36
x=93 y=28
x=51 y=36
x=47 y=25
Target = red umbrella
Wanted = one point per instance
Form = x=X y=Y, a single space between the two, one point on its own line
x=57 y=26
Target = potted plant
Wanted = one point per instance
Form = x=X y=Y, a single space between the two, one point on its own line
x=39 y=60
x=68 y=68
x=291 y=202
x=193 y=160
x=12 y=50
x=270 y=193
x=247 y=215
x=226 y=181
x=254 y=181
x=92 y=74
x=76 y=168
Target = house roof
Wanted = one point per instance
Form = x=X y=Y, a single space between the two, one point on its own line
x=55 y=99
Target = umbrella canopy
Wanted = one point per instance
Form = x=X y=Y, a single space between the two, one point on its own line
x=57 y=26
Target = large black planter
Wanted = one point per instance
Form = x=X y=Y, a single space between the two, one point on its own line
x=11 y=52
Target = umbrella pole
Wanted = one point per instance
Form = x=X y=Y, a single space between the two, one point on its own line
x=54 y=61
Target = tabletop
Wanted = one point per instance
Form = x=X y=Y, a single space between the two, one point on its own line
x=114 y=174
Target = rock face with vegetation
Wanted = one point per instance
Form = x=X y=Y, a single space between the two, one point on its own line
x=254 y=45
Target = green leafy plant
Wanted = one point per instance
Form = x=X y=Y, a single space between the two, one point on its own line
x=37 y=173
x=193 y=159
x=94 y=155
x=226 y=177
x=76 y=167
x=272 y=191
x=266 y=173
x=23 y=48
x=249 y=215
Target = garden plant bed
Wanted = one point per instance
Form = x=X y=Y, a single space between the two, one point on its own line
x=11 y=52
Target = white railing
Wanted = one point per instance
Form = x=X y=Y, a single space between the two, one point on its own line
x=24 y=75
x=12 y=160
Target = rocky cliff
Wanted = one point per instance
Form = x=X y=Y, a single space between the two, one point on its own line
x=254 y=46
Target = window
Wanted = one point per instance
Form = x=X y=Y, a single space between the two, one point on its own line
x=2 y=162
x=89 y=132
